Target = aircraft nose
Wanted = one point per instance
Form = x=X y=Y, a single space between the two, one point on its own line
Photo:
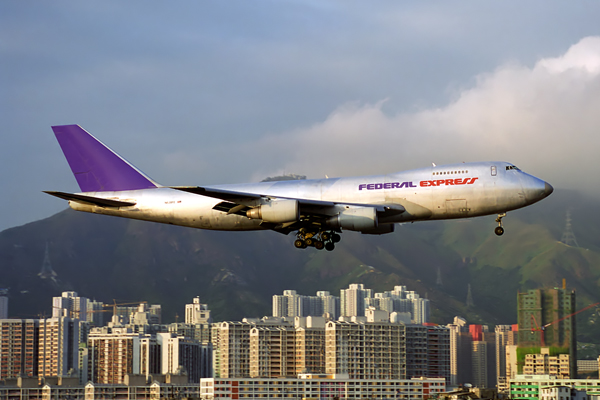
x=536 y=189
x=548 y=189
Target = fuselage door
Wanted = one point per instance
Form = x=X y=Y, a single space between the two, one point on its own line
x=456 y=208
x=494 y=171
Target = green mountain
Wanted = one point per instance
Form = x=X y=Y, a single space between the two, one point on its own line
x=109 y=258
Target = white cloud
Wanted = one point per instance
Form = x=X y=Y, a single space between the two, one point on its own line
x=544 y=118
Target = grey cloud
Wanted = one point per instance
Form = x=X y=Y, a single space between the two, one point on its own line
x=216 y=92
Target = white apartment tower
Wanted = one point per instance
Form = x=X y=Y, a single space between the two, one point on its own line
x=352 y=300
x=70 y=305
x=197 y=313
x=330 y=304
x=179 y=354
x=505 y=336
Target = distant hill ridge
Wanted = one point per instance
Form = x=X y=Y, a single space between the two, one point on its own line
x=237 y=273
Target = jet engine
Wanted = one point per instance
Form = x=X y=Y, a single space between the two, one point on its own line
x=277 y=211
x=355 y=219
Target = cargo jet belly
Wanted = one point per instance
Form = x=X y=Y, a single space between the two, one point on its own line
x=317 y=210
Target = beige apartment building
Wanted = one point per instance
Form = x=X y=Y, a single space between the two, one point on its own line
x=58 y=346
x=365 y=350
x=18 y=348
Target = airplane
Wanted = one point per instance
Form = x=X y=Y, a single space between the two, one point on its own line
x=318 y=210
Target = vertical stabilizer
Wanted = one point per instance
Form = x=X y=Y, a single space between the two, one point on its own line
x=96 y=167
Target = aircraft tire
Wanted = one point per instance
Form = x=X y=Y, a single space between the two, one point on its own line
x=309 y=241
x=329 y=246
x=325 y=236
x=319 y=245
x=299 y=244
x=499 y=231
x=336 y=238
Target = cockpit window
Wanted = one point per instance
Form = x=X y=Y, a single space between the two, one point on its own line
x=509 y=167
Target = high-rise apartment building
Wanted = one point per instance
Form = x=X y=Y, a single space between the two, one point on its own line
x=180 y=354
x=460 y=351
x=365 y=350
x=116 y=352
x=289 y=304
x=383 y=350
x=233 y=343
x=272 y=351
x=352 y=300
x=544 y=317
x=199 y=332
x=310 y=347
x=18 y=348
x=438 y=352
x=479 y=356
x=197 y=313
x=292 y=304
x=58 y=347
x=95 y=312
x=329 y=305
x=70 y=305
x=506 y=335
x=126 y=314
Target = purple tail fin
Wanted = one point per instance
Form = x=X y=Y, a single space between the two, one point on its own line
x=96 y=167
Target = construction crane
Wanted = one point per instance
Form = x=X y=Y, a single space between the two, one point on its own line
x=541 y=329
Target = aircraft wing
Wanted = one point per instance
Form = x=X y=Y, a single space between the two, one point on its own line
x=239 y=202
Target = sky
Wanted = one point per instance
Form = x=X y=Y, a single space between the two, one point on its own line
x=210 y=92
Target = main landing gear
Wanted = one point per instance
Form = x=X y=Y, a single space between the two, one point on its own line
x=499 y=229
x=319 y=240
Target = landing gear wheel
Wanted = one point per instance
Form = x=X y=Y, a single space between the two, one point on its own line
x=499 y=230
x=309 y=241
x=325 y=236
x=299 y=244
x=329 y=246
x=319 y=245
x=336 y=238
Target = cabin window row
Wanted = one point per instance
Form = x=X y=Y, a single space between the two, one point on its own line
x=451 y=172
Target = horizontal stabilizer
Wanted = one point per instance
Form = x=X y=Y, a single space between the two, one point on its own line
x=98 y=201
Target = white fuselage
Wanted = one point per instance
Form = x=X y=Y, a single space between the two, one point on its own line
x=442 y=192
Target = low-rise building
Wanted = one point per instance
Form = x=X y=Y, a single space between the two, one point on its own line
x=321 y=386
x=529 y=387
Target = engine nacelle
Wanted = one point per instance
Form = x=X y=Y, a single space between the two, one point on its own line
x=380 y=230
x=355 y=219
x=277 y=211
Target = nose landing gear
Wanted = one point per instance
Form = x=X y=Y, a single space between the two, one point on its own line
x=499 y=229
x=319 y=240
